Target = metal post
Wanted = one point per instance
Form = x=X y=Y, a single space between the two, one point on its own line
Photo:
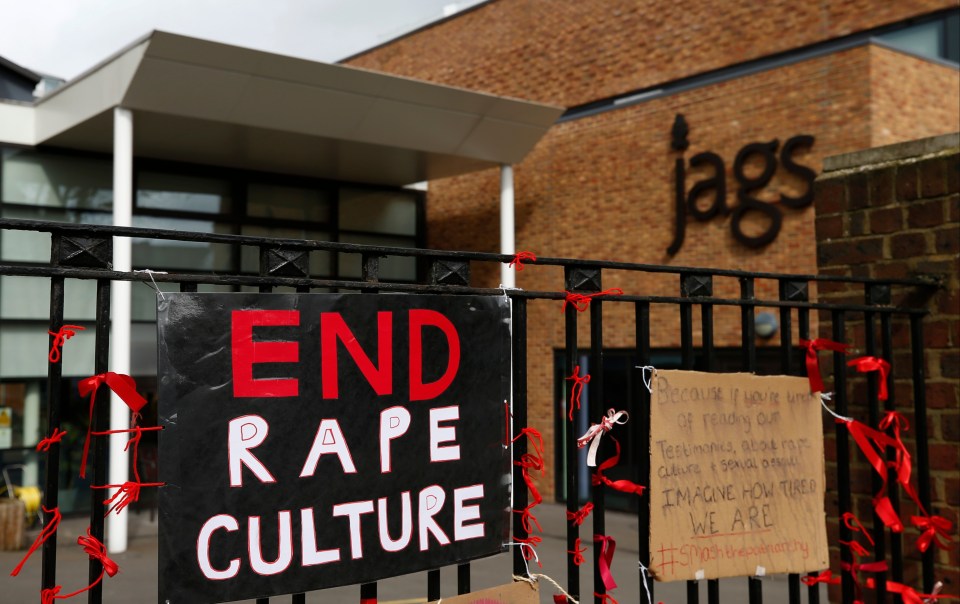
x=120 y=319
x=507 y=243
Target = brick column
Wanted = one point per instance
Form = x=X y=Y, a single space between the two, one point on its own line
x=887 y=213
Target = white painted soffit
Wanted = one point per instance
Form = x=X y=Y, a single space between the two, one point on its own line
x=206 y=102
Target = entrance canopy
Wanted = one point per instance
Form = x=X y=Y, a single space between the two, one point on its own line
x=211 y=103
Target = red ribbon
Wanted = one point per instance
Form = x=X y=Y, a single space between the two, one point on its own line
x=849 y=520
x=576 y=389
x=582 y=301
x=520 y=257
x=624 y=486
x=123 y=386
x=49 y=441
x=580 y=515
x=577 y=552
x=48 y=530
x=605 y=598
x=607 y=547
x=909 y=594
x=127 y=493
x=868 y=364
x=933 y=527
x=867 y=439
x=824 y=577
x=813 y=364
x=97 y=551
x=530 y=461
x=63 y=334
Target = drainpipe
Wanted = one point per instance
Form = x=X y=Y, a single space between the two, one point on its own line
x=120 y=315
x=507 y=243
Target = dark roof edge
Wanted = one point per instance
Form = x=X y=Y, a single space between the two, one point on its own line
x=20 y=70
x=417 y=30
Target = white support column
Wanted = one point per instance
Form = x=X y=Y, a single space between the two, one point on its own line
x=507 y=242
x=120 y=315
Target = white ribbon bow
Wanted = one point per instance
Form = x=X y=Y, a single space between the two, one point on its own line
x=593 y=434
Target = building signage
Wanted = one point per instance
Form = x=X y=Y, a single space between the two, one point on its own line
x=689 y=202
x=318 y=440
x=736 y=476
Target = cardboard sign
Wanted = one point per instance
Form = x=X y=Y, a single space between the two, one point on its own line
x=319 y=440
x=736 y=478
x=512 y=593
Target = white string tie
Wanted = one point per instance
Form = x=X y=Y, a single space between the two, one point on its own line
x=646 y=579
x=532 y=549
x=826 y=396
x=647 y=379
x=152 y=280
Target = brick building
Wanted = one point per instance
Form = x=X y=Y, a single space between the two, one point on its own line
x=779 y=86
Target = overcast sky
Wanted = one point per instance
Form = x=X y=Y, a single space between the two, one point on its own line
x=63 y=38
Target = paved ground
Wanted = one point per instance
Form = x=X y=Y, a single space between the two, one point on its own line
x=136 y=582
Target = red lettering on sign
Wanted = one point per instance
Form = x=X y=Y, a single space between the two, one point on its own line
x=418 y=320
x=332 y=328
x=246 y=352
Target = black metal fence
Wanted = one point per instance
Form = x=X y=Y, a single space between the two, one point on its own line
x=85 y=252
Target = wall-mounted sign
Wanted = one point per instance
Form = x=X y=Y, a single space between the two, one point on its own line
x=736 y=476
x=748 y=185
x=319 y=440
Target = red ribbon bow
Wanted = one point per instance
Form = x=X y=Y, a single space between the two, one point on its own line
x=607 y=546
x=824 y=577
x=47 y=442
x=580 y=515
x=813 y=364
x=97 y=551
x=933 y=527
x=624 y=486
x=122 y=385
x=595 y=432
x=576 y=389
x=577 y=553
x=62 y=335
x=520 y=257
x=868 y=364
x=582 y=301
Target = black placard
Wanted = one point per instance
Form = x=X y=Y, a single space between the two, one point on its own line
x=278 y=411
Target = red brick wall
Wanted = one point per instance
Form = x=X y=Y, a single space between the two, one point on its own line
x=911 y=97
x=569 y=52
x=602 y=186
x=895 y=213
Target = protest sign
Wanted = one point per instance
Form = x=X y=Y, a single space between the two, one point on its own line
x=737 y=476
x=317 y=440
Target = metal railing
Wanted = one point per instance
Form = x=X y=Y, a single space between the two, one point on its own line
x=85 y=252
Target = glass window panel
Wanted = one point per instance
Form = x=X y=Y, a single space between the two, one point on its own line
x=925 y=39
x=392 y=268
x=54 y=180
x=79 y=300
x=24 y=297
x=288 y=203
x=183 y=193
x=320 y=261
x=164 y=254
x=393 y=212
x=952 y=27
